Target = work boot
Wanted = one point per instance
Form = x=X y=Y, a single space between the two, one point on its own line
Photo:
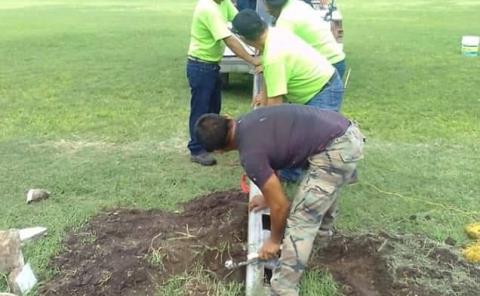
x=204 y=158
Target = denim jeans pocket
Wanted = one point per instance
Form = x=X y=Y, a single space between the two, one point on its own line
x=198 y=73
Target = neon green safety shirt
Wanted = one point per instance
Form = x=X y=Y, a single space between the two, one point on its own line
x=209 y=27
x=293 y=68
x=305 y=22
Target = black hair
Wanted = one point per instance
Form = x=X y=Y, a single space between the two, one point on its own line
x=248 y=24
x=211 y=131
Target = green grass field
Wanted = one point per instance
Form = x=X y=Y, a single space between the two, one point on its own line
x=94 y=105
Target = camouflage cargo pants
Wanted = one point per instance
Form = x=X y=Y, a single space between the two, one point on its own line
x=314 y=206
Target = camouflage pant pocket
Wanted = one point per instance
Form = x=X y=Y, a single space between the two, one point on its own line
x=350 y=145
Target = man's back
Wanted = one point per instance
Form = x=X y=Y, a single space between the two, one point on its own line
x=305 y=22
x=292 y=67
x=284 y=136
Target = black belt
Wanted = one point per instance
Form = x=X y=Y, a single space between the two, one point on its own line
x=195 y=59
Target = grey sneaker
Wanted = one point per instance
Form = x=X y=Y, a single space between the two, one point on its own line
x=203 y=158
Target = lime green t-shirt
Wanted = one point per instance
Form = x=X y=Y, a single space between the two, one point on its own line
x=293 y=68
x=305 y=22
x=209 y=27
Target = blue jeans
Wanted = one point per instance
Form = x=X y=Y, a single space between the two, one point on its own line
x=340 y=66
x=244 y=4
x=331 y=96
x=205 y=87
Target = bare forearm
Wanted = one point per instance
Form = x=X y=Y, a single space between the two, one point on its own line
x=239 y=50
x=278 y=220
x=279 y=207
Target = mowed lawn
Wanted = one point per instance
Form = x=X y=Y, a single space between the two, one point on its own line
x=94 y=106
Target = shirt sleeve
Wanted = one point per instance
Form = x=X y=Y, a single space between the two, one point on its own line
x=285 y=24
x=257 y=168
x=232 y=11
x=276 y=79
x=216 y=24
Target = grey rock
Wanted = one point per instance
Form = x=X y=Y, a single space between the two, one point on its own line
x=11 y=256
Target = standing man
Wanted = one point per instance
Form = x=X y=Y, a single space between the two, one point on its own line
x=290 y=136
x=208 y=37
x=301 y=19
x=292 y=69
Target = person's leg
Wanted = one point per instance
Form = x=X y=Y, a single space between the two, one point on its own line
x=317 y=194
x=341 y=67
x=303 y=223
x=216 y=99
x=326 y=229
x=203 y=81
x=290 y=175
x=331 y=96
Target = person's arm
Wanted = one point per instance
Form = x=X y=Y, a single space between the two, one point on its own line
x=275 y=82
x=272 y=101
x=279 y=207
x=261 y=98
x=218 y=27
x=237 y=48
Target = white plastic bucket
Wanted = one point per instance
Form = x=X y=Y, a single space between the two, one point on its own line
x=470 y=45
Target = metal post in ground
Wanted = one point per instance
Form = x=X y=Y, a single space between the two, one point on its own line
x=254 y=282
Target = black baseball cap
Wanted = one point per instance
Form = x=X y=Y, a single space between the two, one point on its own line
x=247 y=23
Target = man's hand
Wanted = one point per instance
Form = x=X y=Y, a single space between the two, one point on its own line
x=257 y=203
x=259 y=100
x=257 y=62
x=269 y=250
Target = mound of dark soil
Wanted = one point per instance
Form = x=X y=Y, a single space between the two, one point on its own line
x=132 y=252
x=129 y=252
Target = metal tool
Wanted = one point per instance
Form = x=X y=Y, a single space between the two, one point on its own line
x=229 y=264
x=251 y=258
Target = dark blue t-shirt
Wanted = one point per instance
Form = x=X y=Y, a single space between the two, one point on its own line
x=284 y=136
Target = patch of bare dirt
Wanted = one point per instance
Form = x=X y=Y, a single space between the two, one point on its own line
x=396 y=265
x=129 y=252
x=132 y=252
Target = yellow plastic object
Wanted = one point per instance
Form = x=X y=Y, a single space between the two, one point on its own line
x=473 y=230
x=472 y=253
